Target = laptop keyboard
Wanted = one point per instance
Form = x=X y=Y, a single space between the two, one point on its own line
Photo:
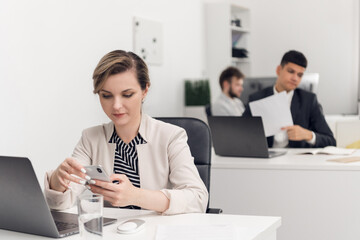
x=65 y=225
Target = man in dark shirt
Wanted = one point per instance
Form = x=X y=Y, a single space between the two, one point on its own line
x=310 y=128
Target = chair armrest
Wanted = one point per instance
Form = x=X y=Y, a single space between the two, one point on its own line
x=214 y=210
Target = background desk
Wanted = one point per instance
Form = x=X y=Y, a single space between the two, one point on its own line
x=257 y=228
x=315 y=198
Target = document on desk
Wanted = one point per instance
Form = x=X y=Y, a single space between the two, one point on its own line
x=197 y=232
x=330 y=150
x=274 y=111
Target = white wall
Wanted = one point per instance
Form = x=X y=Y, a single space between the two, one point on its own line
x=48 y=50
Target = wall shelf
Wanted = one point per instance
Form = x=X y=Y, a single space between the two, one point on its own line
x=240 y=60
x=239 y=29
x=227 y=27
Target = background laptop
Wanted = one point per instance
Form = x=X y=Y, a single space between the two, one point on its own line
x=240 y=137
x=23 y=207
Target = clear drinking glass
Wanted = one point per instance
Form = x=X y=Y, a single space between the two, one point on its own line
x=90 y=215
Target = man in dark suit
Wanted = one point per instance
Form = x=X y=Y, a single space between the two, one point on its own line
x=310 y=128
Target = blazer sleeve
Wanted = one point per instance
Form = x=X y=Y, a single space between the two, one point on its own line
x=58 y=200
x=318 y=124
x=188 y=193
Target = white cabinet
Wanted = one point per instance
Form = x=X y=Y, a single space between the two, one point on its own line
x=315 y=198
x=227 y=27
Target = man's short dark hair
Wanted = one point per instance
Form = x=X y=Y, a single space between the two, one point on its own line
x=228 y=74
x=295 y=57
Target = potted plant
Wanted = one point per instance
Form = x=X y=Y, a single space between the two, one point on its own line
x=197 y=95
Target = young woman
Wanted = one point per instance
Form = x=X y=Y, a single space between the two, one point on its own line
x=150 y=159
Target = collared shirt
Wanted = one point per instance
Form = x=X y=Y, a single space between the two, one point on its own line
x=226 y=106
x=126 y=159
x=281 y=139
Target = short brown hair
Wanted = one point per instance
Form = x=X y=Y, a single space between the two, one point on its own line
x=227 y=75
x=119 y=61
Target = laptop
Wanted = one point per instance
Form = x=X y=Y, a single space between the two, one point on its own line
x=240 y=137
x=23 y=207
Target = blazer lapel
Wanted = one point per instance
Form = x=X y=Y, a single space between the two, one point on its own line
x=147 y=171
x=295 y=106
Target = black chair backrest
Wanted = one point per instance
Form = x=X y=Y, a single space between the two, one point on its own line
x=199 y=141
x=208 y=109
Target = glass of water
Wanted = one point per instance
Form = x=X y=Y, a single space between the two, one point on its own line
x=90 y=215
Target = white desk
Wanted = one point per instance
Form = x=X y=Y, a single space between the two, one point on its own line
x=316 y=199
x=251 y=227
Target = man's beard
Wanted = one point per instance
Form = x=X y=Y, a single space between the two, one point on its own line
x=231 y=93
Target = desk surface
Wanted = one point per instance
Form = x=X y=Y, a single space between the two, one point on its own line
x=293 y=160
x=250 y=227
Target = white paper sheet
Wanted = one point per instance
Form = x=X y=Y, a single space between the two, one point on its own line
x=196 y=232
x=274 y=111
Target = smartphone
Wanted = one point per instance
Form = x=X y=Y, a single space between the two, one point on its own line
x=97 y=173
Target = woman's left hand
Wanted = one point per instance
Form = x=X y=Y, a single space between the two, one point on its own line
x=119 y=195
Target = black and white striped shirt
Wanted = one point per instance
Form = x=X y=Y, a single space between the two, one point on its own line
x=126 y=159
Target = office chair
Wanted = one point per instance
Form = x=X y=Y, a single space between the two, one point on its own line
x=199 y=141
x=208 y=110
x=254 y=84
x=310 y=82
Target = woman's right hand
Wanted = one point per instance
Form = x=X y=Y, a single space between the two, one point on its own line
x=61 y=177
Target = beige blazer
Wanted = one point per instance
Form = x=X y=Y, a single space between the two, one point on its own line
x=165 y=163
